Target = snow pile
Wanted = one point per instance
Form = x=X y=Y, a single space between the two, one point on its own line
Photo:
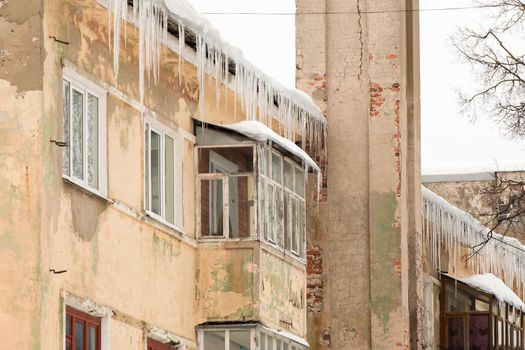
x=447 y=228
x=261 y=97
x=489 y=283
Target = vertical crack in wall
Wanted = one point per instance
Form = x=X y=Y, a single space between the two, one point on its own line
x=361 y=44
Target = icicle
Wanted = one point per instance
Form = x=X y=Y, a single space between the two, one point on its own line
x=446 y=227
x=182 y=44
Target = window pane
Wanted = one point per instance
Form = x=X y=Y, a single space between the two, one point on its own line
x=279 y=217
x=92 y=143
x=299 y=182
x=79 y=335
x=78 y=134
x=479 y=331
x=264 y=210
x=276 y=167
x=271 y=216
x=288 y=175
x=263 y=341
x=92 y=338
x=457 y=301
x=295 y=231
x=68 y=325
x=278 y=345
x=211 y=207
x=169 y=179
x=456 y=333
x=66 y=120
x=147 y=167
x=301 y=228
x=155 y=172
x=287 y=221
x=240 y=340
x=214 y=341
x=285 y=346
x=242 y=192
x=68 y=345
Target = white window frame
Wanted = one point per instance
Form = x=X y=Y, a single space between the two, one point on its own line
x=86 y=86
x=256 y=334
x=178 y=162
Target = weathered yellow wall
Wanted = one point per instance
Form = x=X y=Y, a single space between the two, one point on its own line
x=226 y=277
x=283 y=291
x=113 y=254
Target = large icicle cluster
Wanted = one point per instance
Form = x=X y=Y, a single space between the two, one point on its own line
x=447 y=228
x=260 y=97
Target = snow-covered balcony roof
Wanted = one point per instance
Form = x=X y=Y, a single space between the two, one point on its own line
x=262 y=97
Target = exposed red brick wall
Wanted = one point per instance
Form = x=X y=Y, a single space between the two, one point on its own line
x=314 y=280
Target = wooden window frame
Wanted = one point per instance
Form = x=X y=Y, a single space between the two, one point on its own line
x=291 y=231
x=88 y=320
x=494 y=314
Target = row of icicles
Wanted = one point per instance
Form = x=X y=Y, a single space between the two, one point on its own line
x=258 y=98
x=446 y=229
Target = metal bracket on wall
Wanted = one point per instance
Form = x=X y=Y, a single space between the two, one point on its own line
x=60 y=143
x=58 y=40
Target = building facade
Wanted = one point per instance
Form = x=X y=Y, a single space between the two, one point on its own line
x=391 y=264
x=150 y=202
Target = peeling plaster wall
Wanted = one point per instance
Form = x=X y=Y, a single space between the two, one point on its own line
x=148 y=274
x=22 y=138
x=226 y=279
x=114 y=255
x=283 y=292
x=363 y=266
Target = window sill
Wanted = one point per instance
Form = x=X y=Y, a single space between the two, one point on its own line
x=156 y=221
x=88 y=190
x=283 y=254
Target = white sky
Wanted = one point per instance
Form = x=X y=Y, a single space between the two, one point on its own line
x=450 y=143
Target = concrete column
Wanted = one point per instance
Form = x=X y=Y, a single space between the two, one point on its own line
x=371 y=211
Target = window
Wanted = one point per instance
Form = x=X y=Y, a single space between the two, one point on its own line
x=477 y=320
x=249 y=190
x=227 y=190
x=270 y=341
x=163 y=174
x=84 y=127
x=82 y=331
x=283 y=205
x=156 y=345
x=253 y=338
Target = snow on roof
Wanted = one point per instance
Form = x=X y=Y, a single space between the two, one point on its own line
x=259 y=132
x=261 y=97
x=490 y=284
x=193 y=19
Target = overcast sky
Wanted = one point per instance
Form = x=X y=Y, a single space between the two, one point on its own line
x=450 y=143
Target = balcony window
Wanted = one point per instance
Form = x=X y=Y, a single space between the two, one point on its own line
x=227 y=190
x=475 y=319
x=250 y=190
x=245 y=337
